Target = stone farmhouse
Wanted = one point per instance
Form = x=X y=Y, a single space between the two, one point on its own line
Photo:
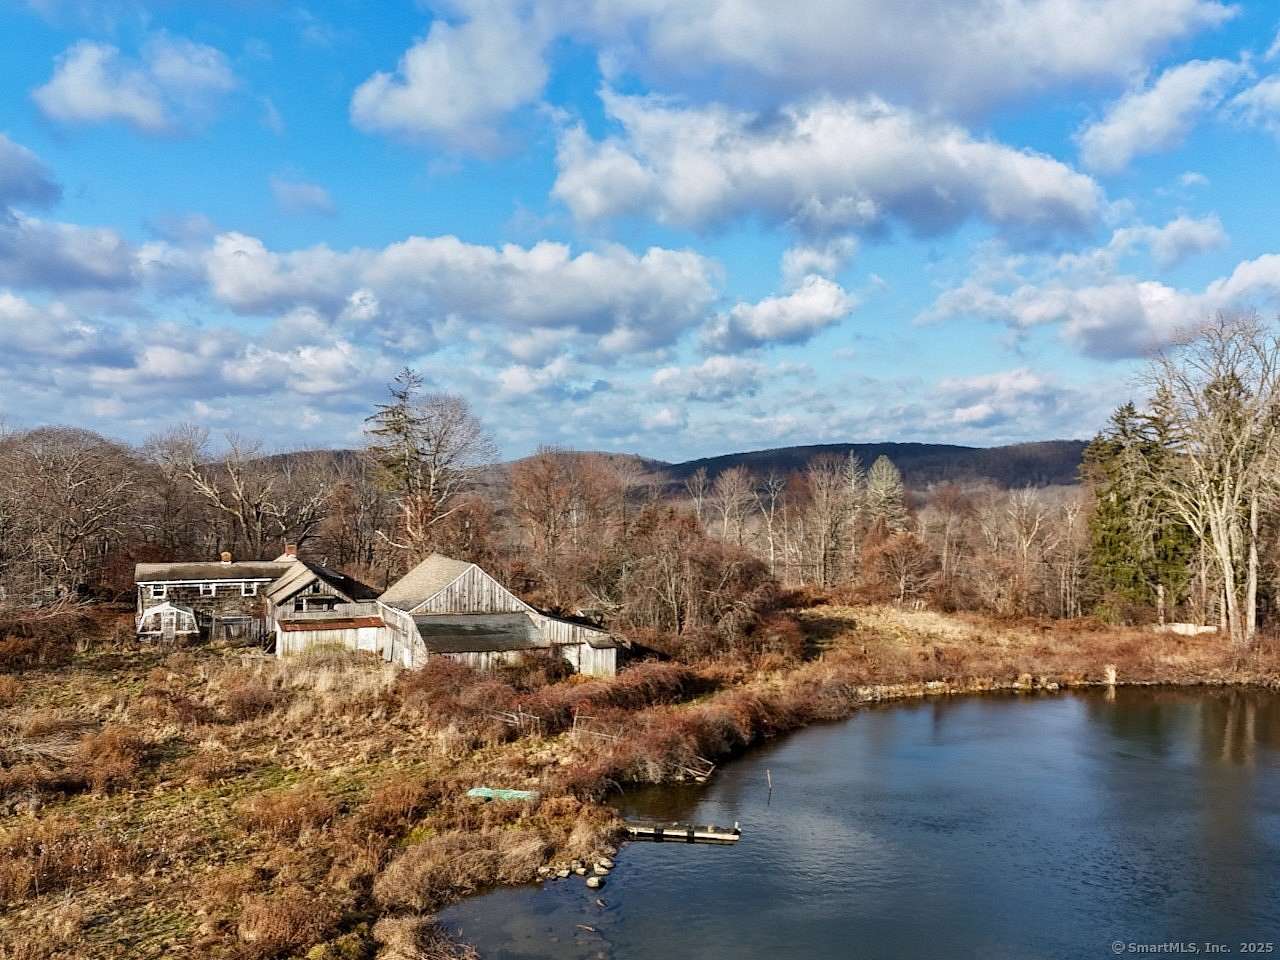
x=441 y=608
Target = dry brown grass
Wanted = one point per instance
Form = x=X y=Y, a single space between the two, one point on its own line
x=417 y=938
x=110 y=758
x=284 y=922
x=10 y=690
x=40 y=856
x=286 y=814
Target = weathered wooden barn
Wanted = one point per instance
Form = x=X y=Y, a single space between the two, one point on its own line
x=225 y=597
x=451 y=608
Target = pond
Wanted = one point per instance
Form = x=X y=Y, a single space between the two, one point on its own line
x=994 y=827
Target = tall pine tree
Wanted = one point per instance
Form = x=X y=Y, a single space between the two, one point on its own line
x=1137 y=547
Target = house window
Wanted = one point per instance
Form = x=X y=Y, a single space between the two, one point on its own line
x=208 y=589
x=159 y=591
x=248 y=589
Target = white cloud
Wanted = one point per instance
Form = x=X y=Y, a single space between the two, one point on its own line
x=37 y=253
x=1259 y=105
x=622 y=301
x=931 y=53
x=714 y=379
x=23 y=178
x=824 y=260
x=828 y=167
x=174 y=83
x=1193 y=178
x=666 y=420
x=815 y=304
x=1009 y=397
x=1157 y=117
x=51 y=331
x=456 y=82
x=1178 y=239
x=297 y=197
x=1111 y=316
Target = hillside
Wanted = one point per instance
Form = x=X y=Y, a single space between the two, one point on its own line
x=1040 y=464
x=1024 y=464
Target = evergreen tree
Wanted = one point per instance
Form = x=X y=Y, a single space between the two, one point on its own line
x=1137 y=547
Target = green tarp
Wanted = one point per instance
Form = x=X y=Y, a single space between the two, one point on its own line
x=490 y=793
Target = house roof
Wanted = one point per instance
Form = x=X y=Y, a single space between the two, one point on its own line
x=478 y=632
x=209 y=570
x=304 y=572
x=424 y=581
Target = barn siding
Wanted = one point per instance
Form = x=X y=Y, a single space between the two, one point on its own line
x=354 y=638
x=474 y=592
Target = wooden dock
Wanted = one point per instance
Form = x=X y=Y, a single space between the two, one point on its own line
x=675 y=832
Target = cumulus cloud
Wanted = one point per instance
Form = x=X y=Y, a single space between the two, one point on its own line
x=1110 y=317
x=931 y=52
x=622 y=300
x=23 y=178
x=824 y=168
x=46 y=332
x=1009 y=397
x=714 y=379
x=174 y=83
x=1177 y=240
x=58 y=256
x=1156 y=117
x=1259 y=105
x=816 y=304
x=457 y=81
x=298 y=197
x=934 y=54
x=824 y=260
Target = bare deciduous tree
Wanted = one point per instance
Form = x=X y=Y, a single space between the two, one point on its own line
x=1218 y=392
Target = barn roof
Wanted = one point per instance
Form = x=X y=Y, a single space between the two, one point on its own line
x=209 y=570
x=305 y=572
x=478 y=632
x=424 y=581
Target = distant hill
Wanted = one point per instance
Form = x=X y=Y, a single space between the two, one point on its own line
x=1047 y=463
x=1040 y=464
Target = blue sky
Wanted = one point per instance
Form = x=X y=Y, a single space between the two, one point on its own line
x=670 y=228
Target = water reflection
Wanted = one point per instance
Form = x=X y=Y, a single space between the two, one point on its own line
x=994 y=827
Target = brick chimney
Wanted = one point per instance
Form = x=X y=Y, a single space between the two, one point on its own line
x=226 y=556
x=291 y=550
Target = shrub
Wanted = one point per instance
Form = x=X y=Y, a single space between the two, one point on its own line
x=393 y=802
x=284 y=814
x=10 y=690
x=286 y=921
x=109 y=758
x=450 y=864
x=250 y=700
x=418 y=938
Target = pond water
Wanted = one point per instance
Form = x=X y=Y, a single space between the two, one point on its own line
x=994 y=827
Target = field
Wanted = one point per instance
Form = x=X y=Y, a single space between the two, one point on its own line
x=225 y=804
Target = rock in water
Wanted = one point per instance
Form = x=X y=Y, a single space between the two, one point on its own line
x=595 y=883
x=605 y=862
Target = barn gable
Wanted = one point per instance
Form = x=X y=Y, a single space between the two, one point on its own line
x=440 y=584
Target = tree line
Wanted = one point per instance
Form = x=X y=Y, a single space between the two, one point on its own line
x=1175 y=517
